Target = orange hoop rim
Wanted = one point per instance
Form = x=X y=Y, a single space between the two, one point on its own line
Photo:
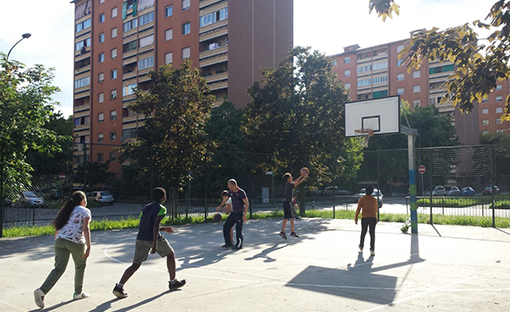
x=364 y=132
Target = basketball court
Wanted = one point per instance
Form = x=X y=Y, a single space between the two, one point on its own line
x=443 y=268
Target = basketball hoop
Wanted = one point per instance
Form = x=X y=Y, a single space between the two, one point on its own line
x=363 y=135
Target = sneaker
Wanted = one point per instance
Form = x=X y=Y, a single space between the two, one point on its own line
x=372 y=253
x=227 y=246
x=39 y=298
x=81 y=295
x=176 y=285
x=118 y=291
x=360 y=249
x=237 y=247
x=293 y=234
x=282 y=234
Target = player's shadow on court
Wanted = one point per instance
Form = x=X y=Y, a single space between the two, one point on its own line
x=33 y=248
x=361 y=281
x=54 y=307
x=264 y=254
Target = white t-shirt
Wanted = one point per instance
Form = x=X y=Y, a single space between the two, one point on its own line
x=73 y=230
x=229 y=202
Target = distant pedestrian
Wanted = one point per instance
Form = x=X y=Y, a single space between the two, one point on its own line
x=240 y=206
x=287 y=202
x=149 y=239
x=72 y=237
x=368 y=207
x=227 y=210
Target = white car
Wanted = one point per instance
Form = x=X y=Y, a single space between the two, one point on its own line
x=438 y=191
x=32 y=199
x=102 y=197
x=376 y=193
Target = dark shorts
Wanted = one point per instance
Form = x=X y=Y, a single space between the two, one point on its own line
x=143 y=248
x=287 y=213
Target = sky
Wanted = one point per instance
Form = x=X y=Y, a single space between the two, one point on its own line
x=324 y=25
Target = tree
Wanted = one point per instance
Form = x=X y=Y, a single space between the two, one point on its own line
x=479 y=67
x=58 y=162
x=97 y=173
x=172 y=141
x=296 y=116
x=501 y=146
x=228 y=159
x=25 y=108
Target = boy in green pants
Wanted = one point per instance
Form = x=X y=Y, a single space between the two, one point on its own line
x=149 y=239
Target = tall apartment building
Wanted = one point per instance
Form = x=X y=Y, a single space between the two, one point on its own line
x=376 y=72
x=117 y=43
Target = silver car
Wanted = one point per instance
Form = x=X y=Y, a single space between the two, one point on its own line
x=102 y=197
x=376 y=193
x=32 y=199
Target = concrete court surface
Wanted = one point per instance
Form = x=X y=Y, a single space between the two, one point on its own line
x=446 y=268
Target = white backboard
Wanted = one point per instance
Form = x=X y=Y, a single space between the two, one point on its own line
x=381 y=115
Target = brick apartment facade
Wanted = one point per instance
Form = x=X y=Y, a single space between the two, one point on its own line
x=117 y=43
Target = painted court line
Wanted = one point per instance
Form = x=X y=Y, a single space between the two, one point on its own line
x=11 y=305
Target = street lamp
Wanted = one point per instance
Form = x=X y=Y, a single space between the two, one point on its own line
x=24 y=36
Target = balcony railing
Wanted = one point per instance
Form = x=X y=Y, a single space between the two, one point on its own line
x=214 y=60
x=213 y=52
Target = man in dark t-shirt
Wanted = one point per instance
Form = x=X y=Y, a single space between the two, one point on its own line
x=287 y=213
x=240 y=206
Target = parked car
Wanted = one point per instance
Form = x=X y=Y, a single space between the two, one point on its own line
x=7 y=202
x=437 y=191
x=334 y=190
x=452 y=191
x=467 y=191
x=488 y=190
x=102 y=197
x=31 y=199
x=376 y=193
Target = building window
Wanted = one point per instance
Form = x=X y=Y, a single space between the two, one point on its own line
x=347 y=60
x=101 y=98
x=499 y=87
x=348 y=86
x=113 y=94
x=416 y=89
x=186 y=53
x=441 y=69
x=347 y=73
x=113 y=156
x=146 y=63
x=114 y=12
x=400 y=48
x=416 y=103
x=169 y=34
x=101 y=18
x=169 y=58
x=100 y=157
x=113 y=136
x=400 y=91
x=485 y=100
x=400 y=63
x=101 y=1
x=130 y=25
x=82 y=44
x=499 y=110
x=400 y=77
x=147 y=18
x=379 y=66
x=364 y=82
x=335 y=62
x=186 y=28
x=129 y=89
x=114 y=32
x=213 y=17
x=114 y=53
x=499 y=99
x=169 y=11
x=128 y=133
x=101 y=37
x=83 y=25
x=185 y=4
x=364 y=68
x=416 y=74
x=113 y=115
x=100 y=117
x=130 y=46
x=147 y=41
x=101 y=57
x=113 y=74
x=100 y=77
x=485 y=132
x=83 y=82
x=100 y=138
x=499 y=121
x=485 y=111
x=380 y=79
x=485 y=122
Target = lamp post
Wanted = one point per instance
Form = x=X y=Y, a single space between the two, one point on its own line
x=24 y=36
x=270 y=173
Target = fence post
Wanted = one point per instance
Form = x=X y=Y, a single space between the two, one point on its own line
x=85 y=166
x=493 y=188
x=431 y=188
x=205 y=188
x=2 y=162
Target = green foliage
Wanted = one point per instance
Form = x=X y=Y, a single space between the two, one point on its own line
x=176 y=106
x=296 y=115
x=451 y=202
x=97 y=173
x=26 y=109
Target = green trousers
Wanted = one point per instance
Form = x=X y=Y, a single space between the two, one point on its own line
x=64 y=248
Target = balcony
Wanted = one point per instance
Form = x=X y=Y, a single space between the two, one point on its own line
x=217 y=77
x=212 y=27
x=129 y=119
x=128 y=97
x=81 y=113
x=214 y=60
x=81 y=108
x=129 y=60
x=213 y=52
x=146 y=48
x=205 y=3
x=129 y=75
x=82 y=70
x=214 y=33
x=79 y=55
x=81 y=127
x=218 y=85
x=129 y=54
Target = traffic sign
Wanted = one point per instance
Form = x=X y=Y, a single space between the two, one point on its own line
x=421 y=169
x=62 y=176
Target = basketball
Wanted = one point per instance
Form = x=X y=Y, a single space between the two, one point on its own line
x=216 y=217
x=305 y=171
